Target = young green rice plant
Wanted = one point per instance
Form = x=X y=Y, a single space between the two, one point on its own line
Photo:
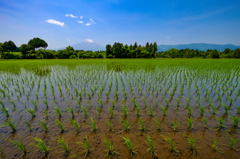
x=175 y=125
x=201 y=109
x=110 y=125
x=34 y=102
x=10 y=124
x=93 y=125
x=129 y=145
x=84 y=111
x=111 y=111
x=32 y=112
x=167 y=101
x=110 y=149
x=5 y=111
x=205 y=122
x=151 y=111
x=192 y=142
x=138 y=110
x=156 y=102
x=190 y=123
x=107 y=94
x=13 y=103
x=176 y=108
x=235 y=120
x=142 y=126
x=40 y=145
x=28 y=125
x=214 y=109
x=98 y=111
x=220 y=120
x=226 y=109
x=238 y=110
x=145 y=102
x=76 y=125
x=58 y=111
x=177 y=101
x=134 y=102
x=171 y=142
x=126 y=124
x=158 y=124
x=188 y=104
x=112 y=101
x=20 y=145
x=233 y=141
x=215 y=145
x=86 y=146
x=89 y=95
x=70 y=109
x=58 y=122
x=44 y=125
x=100 y=101
x=151 y=148
x=124 y=110
x=46 y=113
x=231 y=100
x=189 y=110
x=164 y=111
x=45 y=102
x=63 y=145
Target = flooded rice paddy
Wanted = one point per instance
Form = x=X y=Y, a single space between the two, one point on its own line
x=171 y=102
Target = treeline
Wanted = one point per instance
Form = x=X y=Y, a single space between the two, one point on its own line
x=132 y=51
x=187 y=53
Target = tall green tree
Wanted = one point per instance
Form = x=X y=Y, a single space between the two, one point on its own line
x=108 y=50
x=37 y=43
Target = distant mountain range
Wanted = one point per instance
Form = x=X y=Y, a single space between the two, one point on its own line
x=199 y=46
x=87 y=46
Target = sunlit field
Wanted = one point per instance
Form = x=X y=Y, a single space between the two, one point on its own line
x=125 y=108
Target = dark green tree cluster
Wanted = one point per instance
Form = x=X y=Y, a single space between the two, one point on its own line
x=132 y=51
x=187 y=53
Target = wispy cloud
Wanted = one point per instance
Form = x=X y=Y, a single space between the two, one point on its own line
x=89 y=40
x=67 y=39
x=70 y=15
x=81 y=17
x=92 y=21
x=51 y=21
x=88 y=24
x=168 y=37
x=80 y=21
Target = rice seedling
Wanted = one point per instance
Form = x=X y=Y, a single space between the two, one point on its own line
x=171 y=142
x=220 y=125
x=112 y=101
x=32 y=112
x=189 y=110
x=175 y=125
x=89 y=96
x=235 y=120
x=44 y=125
x=129 y=145
x=100 y=101
x=76 y=125
x=151 y=111
x=63 y=145
x=176 y=108
x=45 y=102
x=158 y=124
x=58 y=111
x=233 y=141
x=167 y=101
x=10 y=124
x=226 y=109
x=70 y=109
x=134 y=102
x=151 y=148
x=5 y=111
x=124 y=110
x=126 y=124
x=164 y=111
x=13 y=103
x=177 y=101
x=98 y=111
x=188 y=101
x=84 y=111
x=111 y=111
x=46 y=113
x=28 y=125
x=190 y=123
x=34 y=102
x=215 y=145
x=93 y=125
x=142 y=126
x=110 y=149
x=205 y=122
x=110 y=125
x=58 y=122
x=107 y=94
x=20 y=145
x=214 y=109
x=192 y=142
x=86 y=146
x=40 y=145
x=201 y=109
x=238 y=110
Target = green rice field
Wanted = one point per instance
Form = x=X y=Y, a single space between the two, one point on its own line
x=124 y=108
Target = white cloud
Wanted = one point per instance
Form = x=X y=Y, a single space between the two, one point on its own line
x=70 y=15
x=92 y=21
x=67 y=39
x=51 y=21
x=88 y=24
x=89 y=40
x=168 y=37
x=81 y=17
x=80 y=21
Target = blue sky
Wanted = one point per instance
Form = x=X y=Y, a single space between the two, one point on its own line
x=67 y=22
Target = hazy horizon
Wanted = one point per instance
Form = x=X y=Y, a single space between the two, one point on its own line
x=62 y=23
